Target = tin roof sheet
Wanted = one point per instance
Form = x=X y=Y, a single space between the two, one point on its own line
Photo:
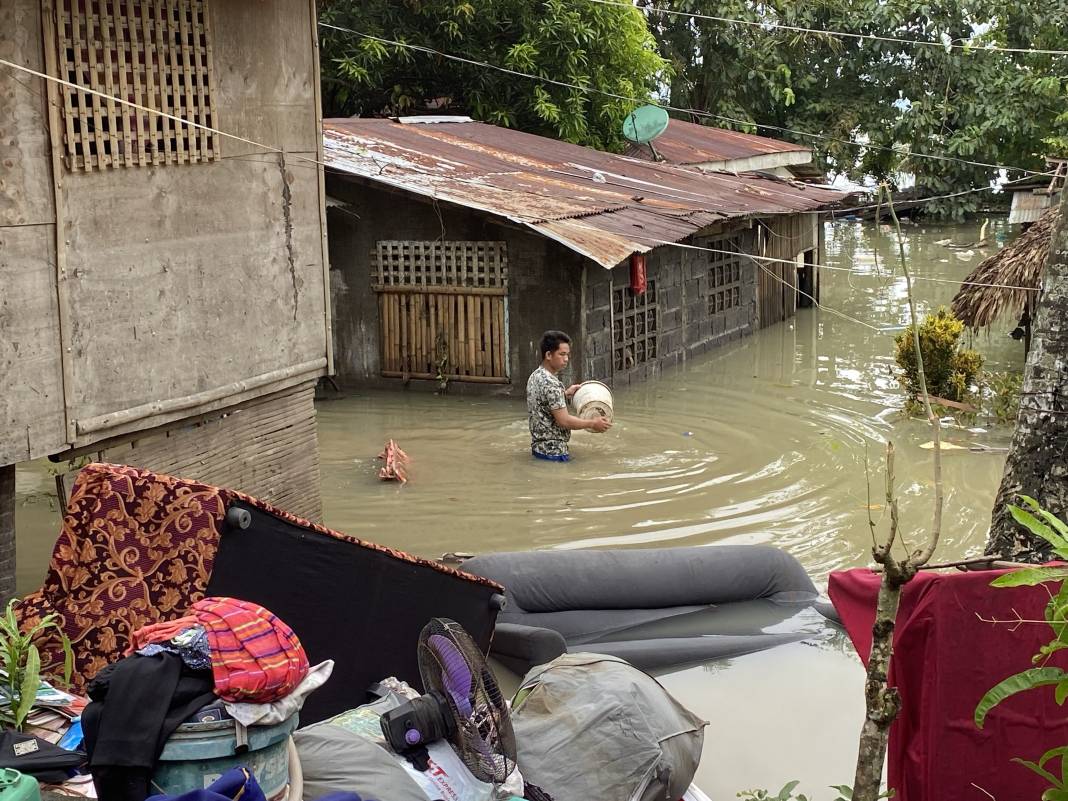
x=691 y=143
x=598 y=204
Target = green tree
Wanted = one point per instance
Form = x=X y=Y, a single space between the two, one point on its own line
x=904 y=99
x=607 y=48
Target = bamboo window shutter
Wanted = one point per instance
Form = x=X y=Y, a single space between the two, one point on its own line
x=155 y=53
x=442 y=309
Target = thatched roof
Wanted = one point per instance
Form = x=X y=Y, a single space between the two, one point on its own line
x=1019 y=264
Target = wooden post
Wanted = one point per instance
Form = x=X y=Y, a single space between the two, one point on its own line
x=7 y=532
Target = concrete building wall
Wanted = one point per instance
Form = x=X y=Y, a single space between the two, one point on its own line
x=685 y=325
x=544 y=279
x=170 y=290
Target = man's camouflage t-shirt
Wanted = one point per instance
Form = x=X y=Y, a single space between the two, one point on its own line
x=545 y=393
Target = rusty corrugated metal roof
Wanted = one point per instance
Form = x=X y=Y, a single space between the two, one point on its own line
x=598 y=204
x=690 y=143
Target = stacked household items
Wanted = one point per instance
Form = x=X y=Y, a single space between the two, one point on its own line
x=230 y=650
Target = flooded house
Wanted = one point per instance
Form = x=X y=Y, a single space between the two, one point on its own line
x=1034 y=195
x=455 y=244
x=163 y=286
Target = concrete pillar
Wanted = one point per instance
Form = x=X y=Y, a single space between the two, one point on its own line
x=7 y=533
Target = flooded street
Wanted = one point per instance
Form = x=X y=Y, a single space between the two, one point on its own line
x=767 y=440
x=763 y=441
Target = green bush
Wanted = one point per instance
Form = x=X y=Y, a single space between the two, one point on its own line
x=950 y=369
x=1003 y=395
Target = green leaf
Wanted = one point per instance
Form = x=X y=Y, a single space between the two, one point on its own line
x=844 y=791
x=1030 y=577
x=787 y=790
x=1026 y=680
x=1039 y=529
x=31 y=680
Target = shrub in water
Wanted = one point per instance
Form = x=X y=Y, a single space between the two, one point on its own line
x=950 y=369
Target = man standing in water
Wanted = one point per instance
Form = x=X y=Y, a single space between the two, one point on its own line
x=550 y=423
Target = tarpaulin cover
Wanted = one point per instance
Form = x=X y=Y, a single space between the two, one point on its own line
x=590 y=727
x=139 y=547
x=946 y=656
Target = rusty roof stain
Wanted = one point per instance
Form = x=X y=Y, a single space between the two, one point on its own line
x=598 y=204
x=690 y=143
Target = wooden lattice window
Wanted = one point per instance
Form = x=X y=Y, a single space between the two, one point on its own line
x=459 y=263
x=724 y=275
x=154 y=53
x=635 y=323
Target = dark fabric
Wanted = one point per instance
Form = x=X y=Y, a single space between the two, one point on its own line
x=47 y=763
x=361 y=607
x=236 y=783
x=947 y=654
x=137 y=703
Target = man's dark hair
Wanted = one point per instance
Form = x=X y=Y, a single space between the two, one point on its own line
x=551 y=342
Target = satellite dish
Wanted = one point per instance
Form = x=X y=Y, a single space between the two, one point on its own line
x=645 y=123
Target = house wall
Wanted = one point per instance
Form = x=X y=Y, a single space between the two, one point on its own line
x=783 y=238
x=265 y=447
x=686 y=328
x=544 y=279
x=136 y=297
x=32 y=419
x=154 y=304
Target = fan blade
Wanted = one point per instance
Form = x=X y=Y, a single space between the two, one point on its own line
x=457 y=678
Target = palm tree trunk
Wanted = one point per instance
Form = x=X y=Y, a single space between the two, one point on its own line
x=1037 y=465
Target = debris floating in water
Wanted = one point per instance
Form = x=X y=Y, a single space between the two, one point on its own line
x=396 y=465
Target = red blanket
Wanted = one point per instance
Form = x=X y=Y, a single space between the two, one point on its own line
x=946 y=656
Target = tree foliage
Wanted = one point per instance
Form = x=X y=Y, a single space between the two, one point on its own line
x=903 y=99
x=608 y=48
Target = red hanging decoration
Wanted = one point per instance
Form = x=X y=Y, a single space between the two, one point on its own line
x=637 y=273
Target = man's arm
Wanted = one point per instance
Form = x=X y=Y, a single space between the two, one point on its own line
x=565 y=420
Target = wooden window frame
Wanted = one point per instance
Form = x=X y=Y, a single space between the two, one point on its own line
x=156 y=54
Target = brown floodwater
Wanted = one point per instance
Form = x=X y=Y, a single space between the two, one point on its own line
x=773 y=439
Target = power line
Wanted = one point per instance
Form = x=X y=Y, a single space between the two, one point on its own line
x=317 y=163
x=774 y=260
x=530 y=220
x=842 y=34
x=693 y=112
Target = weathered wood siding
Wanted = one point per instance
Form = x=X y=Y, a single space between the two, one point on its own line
x=783 y=238
x=265 y=447
x=181 y=288
x=31 y=385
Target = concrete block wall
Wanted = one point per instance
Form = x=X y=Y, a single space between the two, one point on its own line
x=685 y=327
